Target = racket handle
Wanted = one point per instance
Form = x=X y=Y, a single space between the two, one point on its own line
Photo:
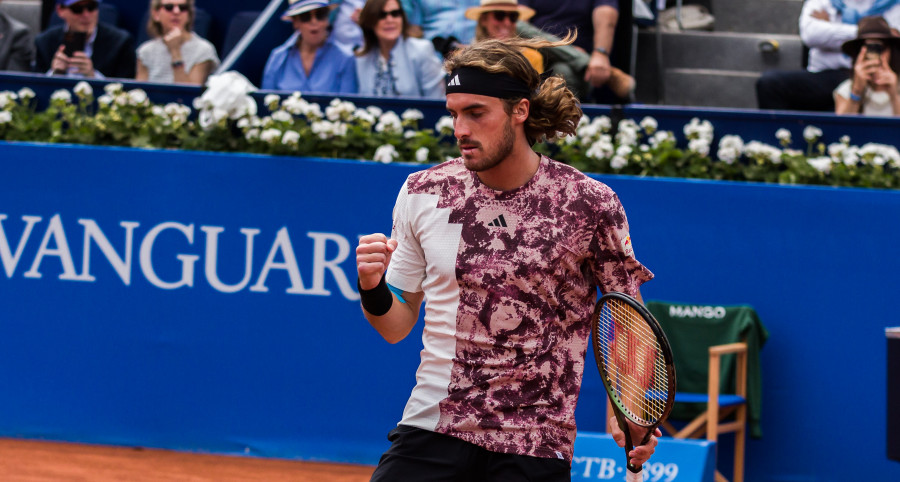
x=634 y=476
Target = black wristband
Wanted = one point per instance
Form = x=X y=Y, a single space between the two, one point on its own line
x=378 y=300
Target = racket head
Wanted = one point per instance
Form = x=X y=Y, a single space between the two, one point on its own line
x=634 y=359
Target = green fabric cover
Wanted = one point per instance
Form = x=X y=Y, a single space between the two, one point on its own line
x=691 y=330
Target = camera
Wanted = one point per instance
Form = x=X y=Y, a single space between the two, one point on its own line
x=873 y=50
x=74 y=42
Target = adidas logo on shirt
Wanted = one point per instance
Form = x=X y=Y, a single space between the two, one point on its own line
x=498 y=222
x=454 y=81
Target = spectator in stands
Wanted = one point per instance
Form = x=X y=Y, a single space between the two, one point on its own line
x=497 y=20
x=586 y=65
x=16 y=45
x=872 y=90
x=824 y=26
x=175 y=54
x=443 y=22
x=345 y=24
x=390 y=62
x=310 y=61
x=107 y=51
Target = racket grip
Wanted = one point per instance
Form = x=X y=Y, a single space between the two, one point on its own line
x=634 y=476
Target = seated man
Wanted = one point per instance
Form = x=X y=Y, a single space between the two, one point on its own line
x=586 y=64
x=101 y=51
x=16 y=45
x=824 y=26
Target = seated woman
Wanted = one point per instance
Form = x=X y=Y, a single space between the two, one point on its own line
x=390 y=63
x=310 y=61
x=497 y=20
x=175 y=54
x=873 y=88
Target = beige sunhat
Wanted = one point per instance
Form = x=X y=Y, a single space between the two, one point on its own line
x=525 y=13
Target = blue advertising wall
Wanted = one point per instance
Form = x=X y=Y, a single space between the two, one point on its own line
x=165 y=333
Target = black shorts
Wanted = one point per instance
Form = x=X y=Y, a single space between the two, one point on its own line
x=418 y=455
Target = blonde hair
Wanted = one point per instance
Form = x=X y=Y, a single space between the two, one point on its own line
x=554 y=111
x=155 y=29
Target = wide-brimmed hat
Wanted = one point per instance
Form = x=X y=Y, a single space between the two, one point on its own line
x=871 y=28
x=296 y=7
x=474 y=13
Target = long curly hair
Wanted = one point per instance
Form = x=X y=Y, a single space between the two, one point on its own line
x=554 y=112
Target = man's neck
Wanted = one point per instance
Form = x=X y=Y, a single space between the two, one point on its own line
x=514 y=171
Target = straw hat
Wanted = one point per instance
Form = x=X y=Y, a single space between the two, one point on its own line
x=871 y=28
x=473 y=13
x=296 y=7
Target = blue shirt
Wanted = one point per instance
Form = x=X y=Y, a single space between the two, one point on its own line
x=333 y=71
x=442 y=18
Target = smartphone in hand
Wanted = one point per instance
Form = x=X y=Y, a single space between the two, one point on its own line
x=74 y=42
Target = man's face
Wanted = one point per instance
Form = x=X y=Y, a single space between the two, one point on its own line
x=483 y=130
x=81 y=16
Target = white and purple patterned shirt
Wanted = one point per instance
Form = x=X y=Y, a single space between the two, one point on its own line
x=510 y=283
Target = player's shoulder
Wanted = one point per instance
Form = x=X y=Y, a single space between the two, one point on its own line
x=586 y=186
x=447 y=173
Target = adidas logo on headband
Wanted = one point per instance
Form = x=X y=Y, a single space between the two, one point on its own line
x=454 y=81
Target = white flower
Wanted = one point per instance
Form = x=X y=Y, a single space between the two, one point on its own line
x=83 y=89
x=339 y=129
x=227 y=96
x=758 y=150
x=252 y=134
x=25 y=93
x=811 y=133
x=412 y=115
x=7 y=98
x=295 y=104
x=422 y=154
x=700 y=146
x=271 y=101
x=282 y=116
x=588 y=132
x=113 y=89
x=270 y=135
x=105 y=100
x=730 y=148
x=389 y=122
x=602 y=149
x=783 y=135
x=660 y=137
x=5 y=117
x=363 y=116
x=61 y=96
x=323 y=129
x=290 y=138
x=627 y=134
x=624 y=150
x=386 y=154
x=821 y=164
x=444 y=125
x=649 y=125
x=158 y=111
x=697 y=129
x=374 y=110
x=137 y=97
x=845 y=140
x=339 y=110
x=243 y=123
x=603 y=122
x=618 y=162
x=880 y=154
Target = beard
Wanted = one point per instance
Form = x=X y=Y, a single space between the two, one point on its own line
x=494 y=157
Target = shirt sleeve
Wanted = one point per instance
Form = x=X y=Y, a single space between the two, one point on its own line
x=615 y=266
x=406 y=270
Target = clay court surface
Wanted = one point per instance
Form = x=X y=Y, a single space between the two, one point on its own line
x=33 y=461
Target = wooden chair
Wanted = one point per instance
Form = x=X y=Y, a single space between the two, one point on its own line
x=716 y=350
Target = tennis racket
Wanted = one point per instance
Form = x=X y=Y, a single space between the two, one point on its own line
x=636 y=366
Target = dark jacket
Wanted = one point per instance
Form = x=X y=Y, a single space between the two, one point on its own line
x=16 y=45
x=113 y=55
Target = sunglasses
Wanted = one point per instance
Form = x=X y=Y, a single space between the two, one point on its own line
x=80 y=8
x=501 y=15
x=319 y=13
x=170 y=7
x=396 y=13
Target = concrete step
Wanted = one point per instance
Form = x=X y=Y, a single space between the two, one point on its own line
x=764 y=16
x=725 y=50
x=710 y=88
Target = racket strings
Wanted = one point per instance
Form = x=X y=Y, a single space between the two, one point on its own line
x=633 y=360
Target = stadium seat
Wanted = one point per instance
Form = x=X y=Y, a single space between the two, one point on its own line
x=237 y=27
x=716 y=350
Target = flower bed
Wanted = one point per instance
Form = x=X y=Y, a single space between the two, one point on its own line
x=226 y=118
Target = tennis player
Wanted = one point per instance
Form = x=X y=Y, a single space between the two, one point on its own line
x=508 y=248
